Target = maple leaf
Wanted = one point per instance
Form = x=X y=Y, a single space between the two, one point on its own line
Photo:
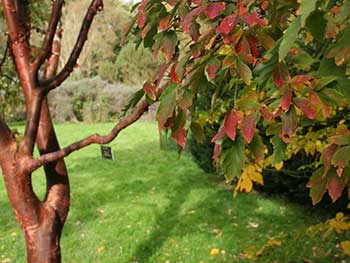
x=219 y=135
x=317 y=185
x=150 y=89
x=213 y=9
x=305 y=106
x=187 y=21
x=169 y=44
x=266 y=114
x=231 y=120
x=212 y=67
x=164 y=23
x=167 y=106
x=141 y=19
x=248 y=126
x=180 y=137
x=252 y=19
x=173 y=75
x=278 y=77
x=227 y=24
x=286 y=100
x=335 y=186
x=290 y=123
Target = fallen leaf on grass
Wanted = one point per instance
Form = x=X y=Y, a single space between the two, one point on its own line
x=214 y=251
x=253 y=225
x=100 y=249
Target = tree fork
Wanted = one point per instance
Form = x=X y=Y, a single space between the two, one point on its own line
x=41 y=221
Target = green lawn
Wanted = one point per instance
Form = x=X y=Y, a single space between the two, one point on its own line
x=147 y=206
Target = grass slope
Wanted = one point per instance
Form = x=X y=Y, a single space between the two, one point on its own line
x=147 y=206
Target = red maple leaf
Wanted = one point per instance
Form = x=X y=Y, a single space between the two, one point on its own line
x=213 y=9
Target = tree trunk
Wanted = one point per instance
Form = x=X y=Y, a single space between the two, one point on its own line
x=43 y=240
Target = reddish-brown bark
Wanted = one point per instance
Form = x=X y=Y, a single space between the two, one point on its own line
x=42 y=220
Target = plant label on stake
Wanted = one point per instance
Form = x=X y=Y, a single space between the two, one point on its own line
x=106 y=152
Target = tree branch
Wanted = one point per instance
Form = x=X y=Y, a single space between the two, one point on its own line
x=52 y=83
x=16 y=13
x=23 y=16
x=57 y=187
x=142 y=107
x=49 y=36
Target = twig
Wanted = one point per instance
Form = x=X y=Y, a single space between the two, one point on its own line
x=45 y=51
x=55 y=81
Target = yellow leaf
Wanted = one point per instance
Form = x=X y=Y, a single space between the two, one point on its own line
x=214 y=252
x=309 y=38
x=339 y=216
x=246 y=184
x=225 y=50
x=274 y=243
x=256 y=177
x=100 y=249
x=279 y=166
x=211 y=43
x=345 y=245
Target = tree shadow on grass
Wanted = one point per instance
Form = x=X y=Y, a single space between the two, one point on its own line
x=140 y=171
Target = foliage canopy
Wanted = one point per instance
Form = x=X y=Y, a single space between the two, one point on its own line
x=280 y=72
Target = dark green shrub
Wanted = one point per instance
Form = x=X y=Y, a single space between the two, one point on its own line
x=202 y=152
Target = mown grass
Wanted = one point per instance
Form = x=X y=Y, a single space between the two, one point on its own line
x=147 y=206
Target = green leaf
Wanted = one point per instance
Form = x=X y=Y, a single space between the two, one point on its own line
x=318 y=186
x=329 y=68
x=306 y=8
x=317 y=24
x=279 y=150
x=167 y=105
x=341 y=140
x=332 y=96
x=323 y=82
x=245 y=72
x=264 y=70
x=289 y=38
x=197 y=131
x=343 y=85
x=302 y=60
x=341 y=157
x=257 y=147
x=232 y=158
x=149 y=38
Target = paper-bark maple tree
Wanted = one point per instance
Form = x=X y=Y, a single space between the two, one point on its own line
x=42 y=220
x=283 y=63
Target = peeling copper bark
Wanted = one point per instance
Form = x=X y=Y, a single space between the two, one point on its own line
x=42 y=220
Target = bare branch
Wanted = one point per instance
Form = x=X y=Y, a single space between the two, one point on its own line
x=54 y=82
x=142 y=107
x=45 y=51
